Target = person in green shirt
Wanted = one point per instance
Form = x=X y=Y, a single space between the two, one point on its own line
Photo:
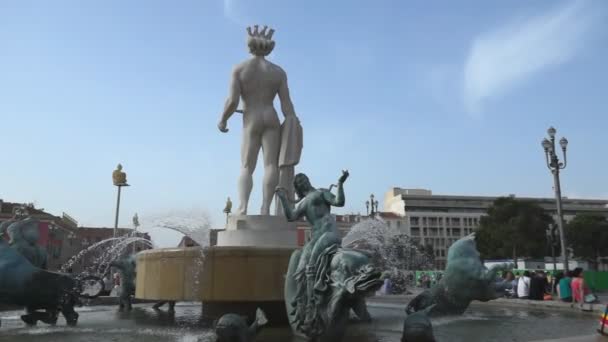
x=564 y=290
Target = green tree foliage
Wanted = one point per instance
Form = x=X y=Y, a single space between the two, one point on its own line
x=513 y=228
x=587 y=235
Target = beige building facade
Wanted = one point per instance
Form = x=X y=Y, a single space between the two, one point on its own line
x=440 y=220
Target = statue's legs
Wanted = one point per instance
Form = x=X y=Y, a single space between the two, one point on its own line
x=360 y=309
x=250 y=148
x=31 y=316
x=271 y=144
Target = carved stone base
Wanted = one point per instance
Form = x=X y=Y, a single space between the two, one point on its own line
x=258 y=231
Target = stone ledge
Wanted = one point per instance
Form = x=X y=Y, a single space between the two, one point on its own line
x=258 y=222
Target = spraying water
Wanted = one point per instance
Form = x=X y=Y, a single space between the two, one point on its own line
x=391 y=250
x=193 y=223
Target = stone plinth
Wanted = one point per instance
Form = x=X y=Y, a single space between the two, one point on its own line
x=258 y=231
x=228 y=279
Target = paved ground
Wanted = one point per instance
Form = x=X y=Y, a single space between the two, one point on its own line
x=402 y=300
x=589 y=338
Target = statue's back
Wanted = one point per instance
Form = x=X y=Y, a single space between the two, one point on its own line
x=260 y=81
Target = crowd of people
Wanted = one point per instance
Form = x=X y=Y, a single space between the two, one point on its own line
x=570 y=287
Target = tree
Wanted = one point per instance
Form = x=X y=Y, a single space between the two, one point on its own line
x=587 y=235
x=513 y=228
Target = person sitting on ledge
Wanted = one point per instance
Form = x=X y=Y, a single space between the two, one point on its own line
x=564 y=291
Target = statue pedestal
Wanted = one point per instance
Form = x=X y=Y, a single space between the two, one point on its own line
x=258 y=231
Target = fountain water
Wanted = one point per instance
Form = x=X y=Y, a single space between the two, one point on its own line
x=104 y=252
x=193 y=223
x=391 y=249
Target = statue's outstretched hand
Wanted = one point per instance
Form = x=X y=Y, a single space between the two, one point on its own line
x=223 y=126
x=344 y=176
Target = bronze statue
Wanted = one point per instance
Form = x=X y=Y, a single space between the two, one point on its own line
x=127 y=269
x=324 y=282
x=465 y=279
x=119 y=177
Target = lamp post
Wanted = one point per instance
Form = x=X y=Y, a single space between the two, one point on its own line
x=554 y=166
x=119 y=178
x=374 y=205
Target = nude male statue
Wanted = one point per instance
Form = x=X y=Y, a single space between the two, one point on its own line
x=257 y=81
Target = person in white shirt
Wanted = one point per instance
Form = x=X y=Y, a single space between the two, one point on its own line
x=107 y=286
x=523 y=286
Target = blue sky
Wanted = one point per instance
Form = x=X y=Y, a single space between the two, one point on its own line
x=451 y=96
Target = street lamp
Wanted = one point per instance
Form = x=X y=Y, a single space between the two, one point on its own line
x=119 y=178
x=554 y=166
x=374 y=205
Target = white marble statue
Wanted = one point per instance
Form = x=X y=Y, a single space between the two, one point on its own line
x=257 y=81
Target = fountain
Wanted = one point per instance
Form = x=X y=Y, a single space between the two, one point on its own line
x=256 y=264
x=392 y=251
x=246 y=268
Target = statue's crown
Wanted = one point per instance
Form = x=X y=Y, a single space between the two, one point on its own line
x=260 y=34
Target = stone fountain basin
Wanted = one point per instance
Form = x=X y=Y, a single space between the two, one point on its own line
x=225 y=279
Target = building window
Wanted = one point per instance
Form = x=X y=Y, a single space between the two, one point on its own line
x=414 y=221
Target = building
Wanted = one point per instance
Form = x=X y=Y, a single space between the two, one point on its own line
x=61 y=236
x=440 y=220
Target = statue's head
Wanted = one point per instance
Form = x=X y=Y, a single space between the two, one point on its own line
x=260 y=43
x=119 y=167
x=30 y=232
x=302 y=185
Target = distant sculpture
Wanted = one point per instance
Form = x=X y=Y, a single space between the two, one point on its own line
x=324 y=282
x=25 y=285
x=127 y=270
x=228 y=207
x=135 y=221
x=417 y=327
x=234 y=328
x=465 y=279
x=258 y=81
x=119 y=177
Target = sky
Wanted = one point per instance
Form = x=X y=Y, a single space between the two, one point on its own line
x=449 y=96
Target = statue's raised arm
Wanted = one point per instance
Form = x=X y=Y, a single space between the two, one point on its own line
x=337 y=200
